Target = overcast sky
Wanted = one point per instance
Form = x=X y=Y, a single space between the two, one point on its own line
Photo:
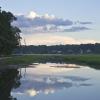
x=56 y=21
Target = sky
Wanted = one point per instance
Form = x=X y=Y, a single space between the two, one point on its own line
x=52 y=22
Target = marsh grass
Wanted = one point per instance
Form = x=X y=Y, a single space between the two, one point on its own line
x=92 y=60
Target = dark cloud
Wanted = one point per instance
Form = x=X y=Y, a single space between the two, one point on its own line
x=23 y=21
x=76 y=29
x=34 y=23
x=84 y=23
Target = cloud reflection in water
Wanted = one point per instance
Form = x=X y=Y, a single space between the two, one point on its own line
x=36 y=82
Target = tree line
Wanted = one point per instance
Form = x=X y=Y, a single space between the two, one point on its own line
x=59 y=49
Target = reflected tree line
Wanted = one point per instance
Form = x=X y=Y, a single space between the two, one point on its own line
x=9 y=79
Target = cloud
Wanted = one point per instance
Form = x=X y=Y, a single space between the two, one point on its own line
x=32 y=15
x=35 y=23
x=84 y=23
x=76 y=29
x=35 y=20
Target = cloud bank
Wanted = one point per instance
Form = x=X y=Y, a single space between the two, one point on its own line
x=35 y=23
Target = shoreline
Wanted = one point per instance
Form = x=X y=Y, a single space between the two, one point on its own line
x=90 y=60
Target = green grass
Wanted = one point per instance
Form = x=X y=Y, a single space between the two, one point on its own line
x=92 y=60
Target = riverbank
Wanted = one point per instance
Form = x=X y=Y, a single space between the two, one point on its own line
x=91 y=60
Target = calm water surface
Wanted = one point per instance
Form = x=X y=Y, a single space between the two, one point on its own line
x=50 y=81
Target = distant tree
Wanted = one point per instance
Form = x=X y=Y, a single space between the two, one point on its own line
x=9 y=35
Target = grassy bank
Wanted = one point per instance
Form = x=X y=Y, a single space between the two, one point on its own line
x=92 y=60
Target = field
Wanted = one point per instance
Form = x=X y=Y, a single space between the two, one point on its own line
x=91 y=60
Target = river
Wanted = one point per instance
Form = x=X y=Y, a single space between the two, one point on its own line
x=50 y=81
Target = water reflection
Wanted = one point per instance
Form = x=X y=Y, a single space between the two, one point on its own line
x=41 y=79
x=48 y=85
x=9 y=79
x=47 y=80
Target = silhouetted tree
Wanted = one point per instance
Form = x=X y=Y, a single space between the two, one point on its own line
x=9 y=35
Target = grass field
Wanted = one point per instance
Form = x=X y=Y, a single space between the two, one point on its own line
x=91 y=60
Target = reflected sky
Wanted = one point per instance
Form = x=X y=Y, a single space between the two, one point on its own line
x=47 y=69
x=50 y=84
x=50 y=81
x=46 y=82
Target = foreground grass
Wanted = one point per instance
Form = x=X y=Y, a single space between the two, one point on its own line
x=92 y=60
